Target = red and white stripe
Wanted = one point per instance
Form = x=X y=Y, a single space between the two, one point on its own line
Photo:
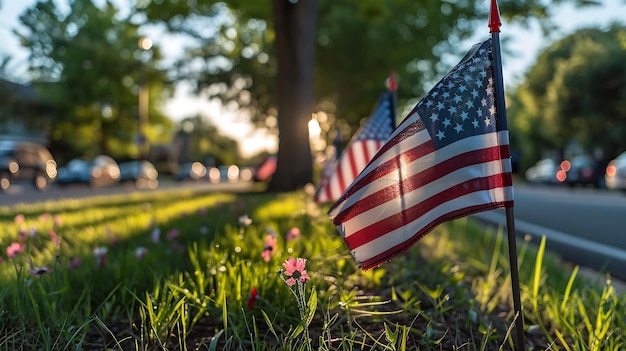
x=409 y=188
x=352 y=161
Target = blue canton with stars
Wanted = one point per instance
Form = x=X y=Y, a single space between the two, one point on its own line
x=381 y=122
x=462 y=104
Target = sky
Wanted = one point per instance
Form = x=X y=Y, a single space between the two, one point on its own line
x=527 y=43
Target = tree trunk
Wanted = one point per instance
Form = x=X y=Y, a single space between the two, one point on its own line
x=295 y=27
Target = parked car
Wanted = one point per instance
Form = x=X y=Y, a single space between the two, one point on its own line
x=580 y=170
x=265 y=169
x=229 y=173
x=141 y=173
x=615 y=173
x=213 y=173
x=23 y=161
x=246 y=174
x=544 y=172
x=191 y=171
x=99 y=171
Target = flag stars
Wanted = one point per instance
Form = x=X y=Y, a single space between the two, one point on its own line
x=489 y=91
x=446 y=122
x=462 y=101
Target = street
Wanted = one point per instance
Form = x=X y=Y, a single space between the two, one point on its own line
x=583 y=225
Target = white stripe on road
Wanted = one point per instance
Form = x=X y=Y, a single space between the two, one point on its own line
x=498 y=217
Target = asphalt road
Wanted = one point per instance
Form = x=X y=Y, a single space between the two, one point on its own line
x=583 y=225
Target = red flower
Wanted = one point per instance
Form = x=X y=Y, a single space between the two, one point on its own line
x=252 y=298
x=101 y=255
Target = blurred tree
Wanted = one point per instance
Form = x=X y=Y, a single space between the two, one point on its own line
x=575 y=91
x=357 y=43
x=203 y=140
x=91 y=56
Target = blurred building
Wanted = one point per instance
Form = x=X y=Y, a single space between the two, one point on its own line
x=23 y=114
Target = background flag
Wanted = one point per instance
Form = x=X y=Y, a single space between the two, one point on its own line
x=360 y=150
x=449 y=158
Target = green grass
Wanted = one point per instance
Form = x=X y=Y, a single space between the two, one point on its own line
x=180 y=269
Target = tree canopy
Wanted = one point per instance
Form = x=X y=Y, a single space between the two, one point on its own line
x=575 y=92
x=232 y=53
x=87 y=65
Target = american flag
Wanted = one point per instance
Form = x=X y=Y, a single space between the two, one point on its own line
x=448 y=158
x=360 y=150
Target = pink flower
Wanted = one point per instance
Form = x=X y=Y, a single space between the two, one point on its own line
x=19 y=219
x=203 y=211
x=270 y=246
x=294 y=271
x=44 y=217
x=173 y=234
x=57 y=221
x=292 y=234
x=14 y=249
x=54 y=237
x=74 y=262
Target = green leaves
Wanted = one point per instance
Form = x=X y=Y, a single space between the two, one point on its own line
x=575 y=92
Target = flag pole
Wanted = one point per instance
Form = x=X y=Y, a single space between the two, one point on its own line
x=392 y=86
x=494 y=29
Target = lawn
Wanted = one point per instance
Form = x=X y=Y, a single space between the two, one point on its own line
x=214 y=271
